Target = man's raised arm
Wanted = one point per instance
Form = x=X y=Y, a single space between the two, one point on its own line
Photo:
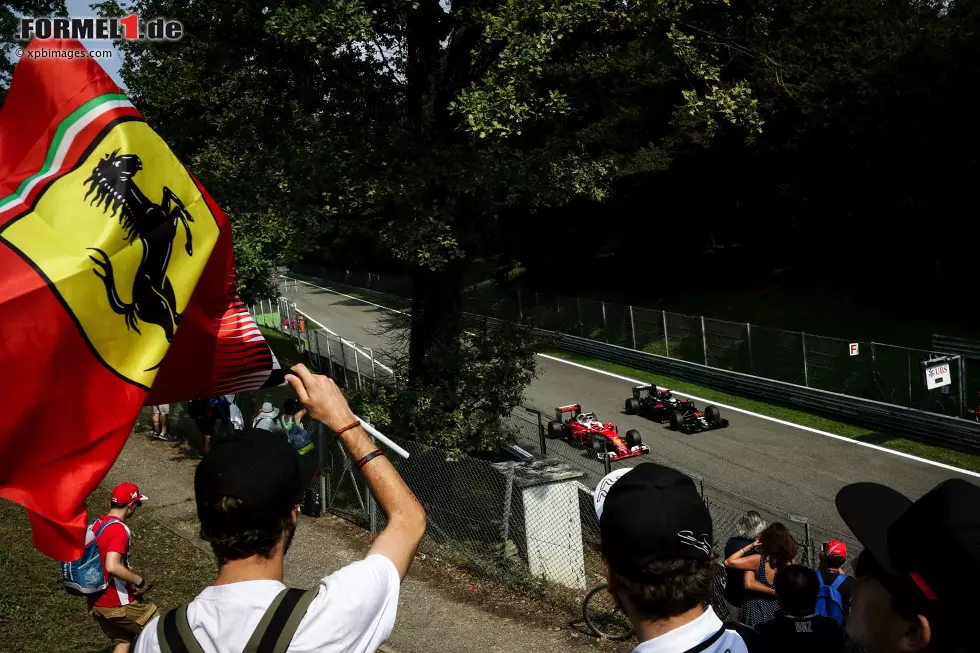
x=406 y=519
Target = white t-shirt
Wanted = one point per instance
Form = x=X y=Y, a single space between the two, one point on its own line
x=706 y=634
x=353 y=612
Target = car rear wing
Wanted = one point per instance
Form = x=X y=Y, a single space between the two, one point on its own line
x=575 y=409
x=638 y=389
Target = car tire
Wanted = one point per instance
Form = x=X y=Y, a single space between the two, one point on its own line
x=633 y=438
x=632 y=406
x=713 y=414
x=676 y=420
x=555 y=429
x=598 y=444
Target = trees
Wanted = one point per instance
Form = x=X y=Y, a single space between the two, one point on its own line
x=414 y=129
x=8 y=24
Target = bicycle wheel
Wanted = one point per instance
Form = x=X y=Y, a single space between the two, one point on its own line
x=603 y=617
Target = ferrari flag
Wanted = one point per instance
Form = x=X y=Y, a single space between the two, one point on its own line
x=117 y=289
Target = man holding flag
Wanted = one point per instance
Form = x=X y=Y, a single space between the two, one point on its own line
x=117 y=288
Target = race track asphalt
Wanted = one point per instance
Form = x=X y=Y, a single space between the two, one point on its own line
x=775 y=468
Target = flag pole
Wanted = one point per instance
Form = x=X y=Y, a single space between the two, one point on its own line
x=380 y=436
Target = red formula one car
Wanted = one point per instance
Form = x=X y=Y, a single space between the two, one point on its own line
x=585 y=429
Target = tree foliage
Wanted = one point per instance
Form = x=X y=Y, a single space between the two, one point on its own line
x=9 y=13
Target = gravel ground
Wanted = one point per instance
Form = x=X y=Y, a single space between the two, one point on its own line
x=438 y=605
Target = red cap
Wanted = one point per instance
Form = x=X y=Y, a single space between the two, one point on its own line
x=126 y=493
x=835 y=548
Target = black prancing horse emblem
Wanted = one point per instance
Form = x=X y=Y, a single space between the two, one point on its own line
x=156 y=227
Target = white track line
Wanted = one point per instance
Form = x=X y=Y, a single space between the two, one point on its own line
x=362 y=352
x=774 y=419
x=337 y=292
x=733 y=408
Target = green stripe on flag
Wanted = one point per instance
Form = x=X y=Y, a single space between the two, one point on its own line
x=50 y=161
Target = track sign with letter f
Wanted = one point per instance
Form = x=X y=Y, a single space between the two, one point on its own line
x=854 y=349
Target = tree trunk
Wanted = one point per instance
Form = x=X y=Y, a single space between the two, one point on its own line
x=437 y=325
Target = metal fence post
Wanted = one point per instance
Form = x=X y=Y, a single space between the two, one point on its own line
x=374 y=371
x=343 y=358
x=329 y=359
x=520 y=306
x=357 y=368
x=605 y=328
x=806 y=373
x=372 y=506
x=324 y=472
x=908 y=361
x=704 y=342
x=962 y=386
x=666 y=343
x=542 y=440
x=632 y=327
x=748 y=327
x=606 y=462
x=508 y=493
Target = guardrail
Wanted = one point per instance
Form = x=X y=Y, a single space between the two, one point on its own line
x=933 y=428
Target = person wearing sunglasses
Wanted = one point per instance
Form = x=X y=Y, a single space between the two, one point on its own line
x=910 y=598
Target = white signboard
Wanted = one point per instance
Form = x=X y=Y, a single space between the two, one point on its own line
x=854 y=349
x=938 y=376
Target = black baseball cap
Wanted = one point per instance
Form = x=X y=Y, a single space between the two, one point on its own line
x=928 y=550
x=259 y=469
x=652 y=513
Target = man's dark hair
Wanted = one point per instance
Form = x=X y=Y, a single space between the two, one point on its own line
x=681 y=585
x=779 y=544
x=832 y=562
x=796 y=588
x=232 y=544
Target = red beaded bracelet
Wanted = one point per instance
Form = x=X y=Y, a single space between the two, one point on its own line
x=368 y=458
x=350 y=426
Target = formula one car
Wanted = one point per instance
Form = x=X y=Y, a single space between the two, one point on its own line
x=975 y=414
x=657 y=404
x=689 y=419
x=585 y=429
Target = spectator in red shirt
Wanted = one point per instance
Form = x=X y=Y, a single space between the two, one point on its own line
x=118 y=609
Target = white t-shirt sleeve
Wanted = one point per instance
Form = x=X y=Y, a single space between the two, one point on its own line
x=354 y=610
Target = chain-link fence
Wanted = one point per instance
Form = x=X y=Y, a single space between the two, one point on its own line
x=868 y=370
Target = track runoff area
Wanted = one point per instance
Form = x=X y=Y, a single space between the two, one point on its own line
x=757 y=462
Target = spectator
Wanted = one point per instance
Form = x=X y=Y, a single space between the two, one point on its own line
x=776 y=548
x=290 y=417
x=118 y=609
x=656 y=544
x=204 y=414
x=796 y=627
x=247 y=490
x=910 y=597
x=749 y=526
x=833 y=554
x=161 y=415
x=266 y=418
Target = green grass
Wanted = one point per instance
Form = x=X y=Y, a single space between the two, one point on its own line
x=268 y=319
x=938 y=454
x=38 y=616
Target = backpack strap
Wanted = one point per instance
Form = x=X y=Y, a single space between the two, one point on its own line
x=837 y=581
x=820 y=578
x=279 y=623
x=106 y=524
x=174 y=633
